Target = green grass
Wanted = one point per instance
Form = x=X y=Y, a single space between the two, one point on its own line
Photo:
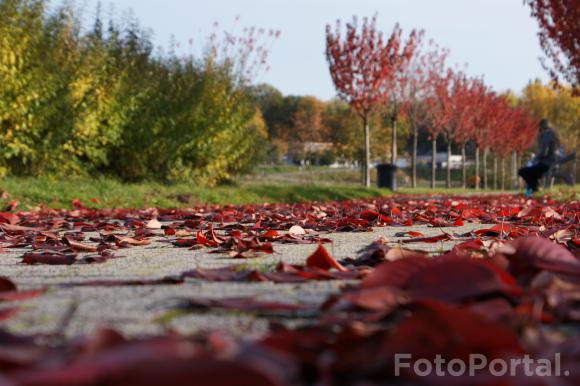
x=109 y=193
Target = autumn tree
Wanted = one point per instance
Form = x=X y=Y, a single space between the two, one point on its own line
x=359 y=67
x=427 y=63
x=399 y=58
x=559 y=37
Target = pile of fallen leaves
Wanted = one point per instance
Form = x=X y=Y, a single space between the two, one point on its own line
x=507 y=290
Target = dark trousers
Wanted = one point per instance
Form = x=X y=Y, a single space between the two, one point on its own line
x=532 y=175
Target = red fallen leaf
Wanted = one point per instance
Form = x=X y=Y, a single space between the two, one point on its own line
x=449 y=279
x=456 y=279
x=12 y=205
x=6 y=285
x=95 y=200
x=185 y=243
x=369 y=215
x=471 y=213
x=396 y=212
x=77 y=204
x=439 y=222
x=432 y=239
x=415 y=234
x=78 y=246
x=270 y=234
x=49 y=258
x=156 y=361
x=375 y=299
x=129 y=241
x=11 y=296
x=9 y=218
x=458 y=222
x=468 y=247
x=321 y=259
x=436 y=328
x=503 y=229
x=495 y=309
x=529 y=255
x=10 y=228
x=103 y=338
x=7 y=313
x=395 y=273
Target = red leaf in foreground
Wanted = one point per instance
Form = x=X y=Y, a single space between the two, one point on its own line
x=450 y=279
x=395 y=273
x=20 y=295
x=457 y=279
x=9 y=291
x=321 y=259
x=437 y=328
x=7 y=285
x=7 y=313
x=530 y=255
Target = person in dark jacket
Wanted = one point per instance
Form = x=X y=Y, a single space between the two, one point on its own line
x=546 y=157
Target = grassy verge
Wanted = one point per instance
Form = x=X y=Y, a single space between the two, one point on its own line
x=108 y=193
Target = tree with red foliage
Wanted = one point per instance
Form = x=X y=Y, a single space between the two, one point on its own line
x=559 y=37
x=438 y=110
x=361 y=65
x=398 y=66
x=427 y=61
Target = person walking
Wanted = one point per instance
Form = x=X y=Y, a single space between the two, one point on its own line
x=548 y=143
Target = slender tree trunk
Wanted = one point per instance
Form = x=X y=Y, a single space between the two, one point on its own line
x=448 y=179
x=367 y=157
x=434 y=163
x=477 y=178
x=518 y=163
x=463 y=167
x=514 y=171
x=574 y=170
x=502 y=170
x=394 y=142
x=495 y=172
x=485 y=184
x=414 y=158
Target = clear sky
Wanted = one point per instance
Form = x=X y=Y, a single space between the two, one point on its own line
x=496 y=38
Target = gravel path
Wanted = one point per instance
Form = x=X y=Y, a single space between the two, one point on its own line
x=148 y=309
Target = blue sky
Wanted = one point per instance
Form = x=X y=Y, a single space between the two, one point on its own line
x=496 y=38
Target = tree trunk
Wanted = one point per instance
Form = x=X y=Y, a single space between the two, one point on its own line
x=514 y=171
x=477 y=178
x=394 y=142
x=448 y=179
x=495 y=172
x=434 y=163
x=485 y=184
x=574 y=171
x=463 y=167
x=367 y=160
x=502 y=170
x=414 y=158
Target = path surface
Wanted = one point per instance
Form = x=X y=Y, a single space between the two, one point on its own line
x=146 y=309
